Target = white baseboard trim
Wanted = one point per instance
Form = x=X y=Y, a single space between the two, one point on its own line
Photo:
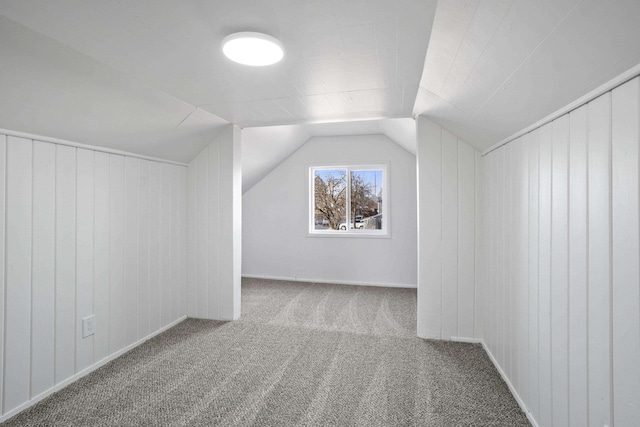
x=467 y=340
x=511 y=388
x=86 y=371
x=331 y=282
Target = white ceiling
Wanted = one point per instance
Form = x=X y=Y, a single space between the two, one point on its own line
x=147 y=76
x=494 y=67
x=47 y=88
x=264 y=148
x=153 y=70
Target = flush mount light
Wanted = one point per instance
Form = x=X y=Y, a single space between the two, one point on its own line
x=254 y=49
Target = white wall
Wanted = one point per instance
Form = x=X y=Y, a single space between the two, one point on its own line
x=276 y=219
x=562 y=303
x=83 y=232
x=447 y=168
x=215 y=229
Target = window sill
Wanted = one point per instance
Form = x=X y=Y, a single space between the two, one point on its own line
x=349 y=235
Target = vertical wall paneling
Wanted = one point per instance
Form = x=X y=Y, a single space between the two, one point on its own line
x=131 y=250
x=599 y=143
x=504 y=289
x=507 y=288
x=450 y=258
x=569 y=285
x=84 y=255
x=501 y=232
x=17 y=351
x=493 y=254
x=498 y=327
x=578 y=268
x=43 y=269
x=487 y=251
x=213 y=197
x=492 y=250
x=175 y=245
x=143 y=249
x=183 y=235
x=3 y=171
x=154 y=246
x=235 y=213
x=449 y=235
x=626 y=253
x=534 y=308
x=172 y=242
x=519 y=255
x=466 y=240
x=165 y=244
x=65 y=262
x=560 y=271
x=512 y=254
x=116 y=254
x=544 y=275
x=192 y=287
x=229 y=224
x=101 y=260
x=215 y=192
x=175 y=299
x=479 y=252
x=429 y=154
x=523 y=267
x=82 y=238
x=201 y=237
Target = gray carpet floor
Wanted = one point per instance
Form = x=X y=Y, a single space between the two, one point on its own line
x=302 y=355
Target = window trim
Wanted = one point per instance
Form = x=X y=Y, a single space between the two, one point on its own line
x=385 y=232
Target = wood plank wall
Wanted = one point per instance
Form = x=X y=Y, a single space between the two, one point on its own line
x=447 y=190
x=215 y=229
x=79 y=236
x=561 y=305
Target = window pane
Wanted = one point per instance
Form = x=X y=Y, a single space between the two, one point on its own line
x=330 y=199
x=366 y=199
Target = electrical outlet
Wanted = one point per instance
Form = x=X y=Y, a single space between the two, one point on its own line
x=88 y=326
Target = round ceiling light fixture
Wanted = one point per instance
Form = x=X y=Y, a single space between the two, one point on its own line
x=255 y=49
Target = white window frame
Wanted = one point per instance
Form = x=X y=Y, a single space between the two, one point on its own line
x=385 y=232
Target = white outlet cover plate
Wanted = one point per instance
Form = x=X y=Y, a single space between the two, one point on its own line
x=88 y=326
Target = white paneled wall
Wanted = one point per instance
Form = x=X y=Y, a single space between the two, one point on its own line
x=561 y=306
x=447 y=168
x=81 y=239
x=215 y=221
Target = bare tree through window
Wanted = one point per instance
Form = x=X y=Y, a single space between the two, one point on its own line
x=330 y=193
x=348 y=199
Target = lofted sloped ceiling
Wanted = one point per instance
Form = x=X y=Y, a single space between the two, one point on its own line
x=47 y=88
x=264 y=148
x=495 y=67
x=149 y=76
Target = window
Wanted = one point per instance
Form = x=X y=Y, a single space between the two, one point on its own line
x=349 y=200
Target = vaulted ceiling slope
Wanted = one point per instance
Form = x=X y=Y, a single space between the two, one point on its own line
x=149 y=77
x=495 y=67
x=264 y=148
x=47 y=88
